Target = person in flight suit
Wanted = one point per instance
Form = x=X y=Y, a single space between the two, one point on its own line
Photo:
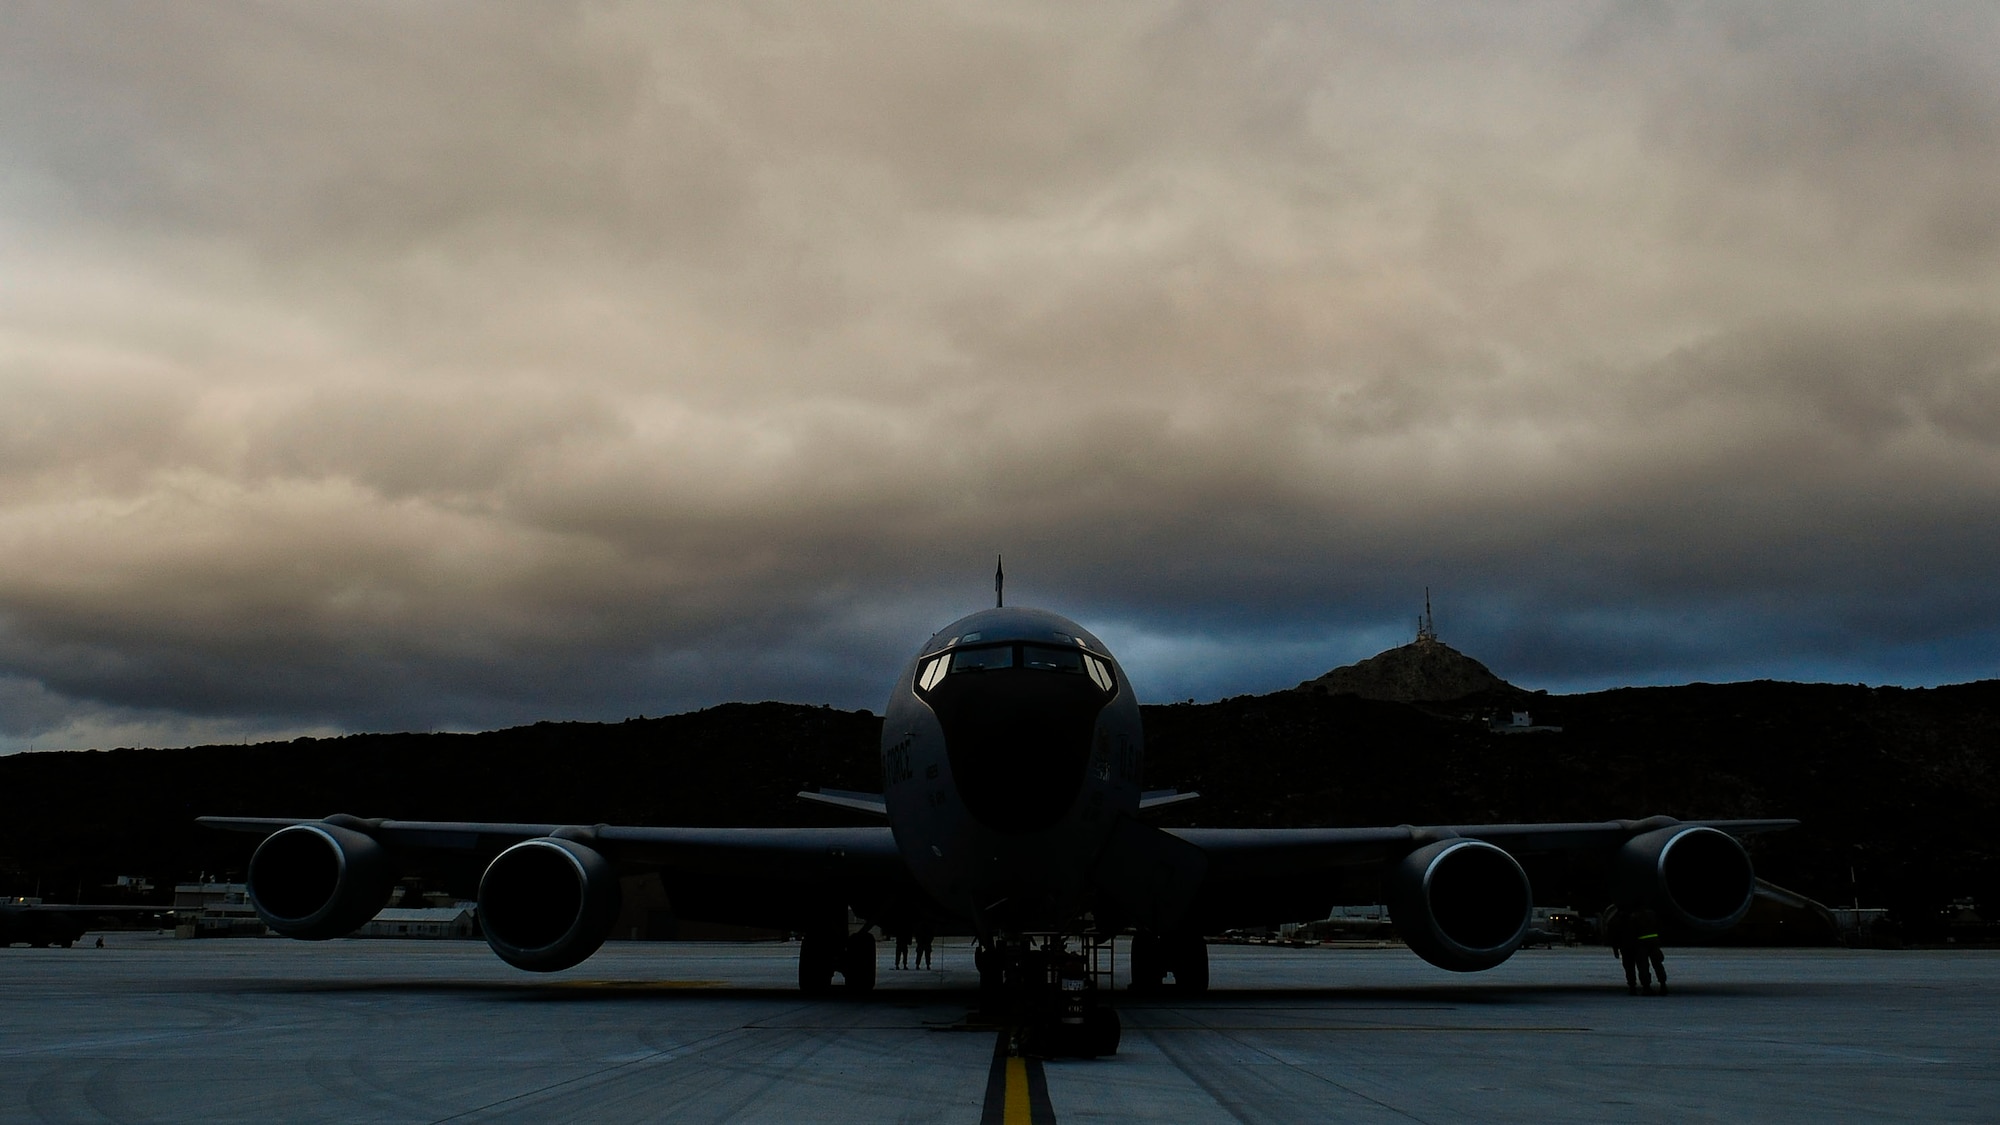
x=1635 y=939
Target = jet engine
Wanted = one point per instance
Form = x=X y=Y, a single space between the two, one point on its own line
x=1697 y=878
x=1462 y=905
x=547 y=904
x=319 y=880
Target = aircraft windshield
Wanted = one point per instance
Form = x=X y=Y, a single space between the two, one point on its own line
x=1051 y=659
x=1040 y=658
x=981 y=659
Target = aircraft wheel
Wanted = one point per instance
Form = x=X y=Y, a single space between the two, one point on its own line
x=1101 y=1031
x=1191 y=963
x=1145 y=959
x=819 y=956
x=858 y=964
x=992 y=981
x=1095 y=1037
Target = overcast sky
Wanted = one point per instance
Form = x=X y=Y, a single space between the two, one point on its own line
x=449 y=366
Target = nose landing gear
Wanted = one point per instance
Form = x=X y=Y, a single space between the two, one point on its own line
x=1054 y=995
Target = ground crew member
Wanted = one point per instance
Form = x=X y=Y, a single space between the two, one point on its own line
x=1634 y=933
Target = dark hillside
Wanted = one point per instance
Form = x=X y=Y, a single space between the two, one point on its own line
x=1426 y=669
x=80 y=819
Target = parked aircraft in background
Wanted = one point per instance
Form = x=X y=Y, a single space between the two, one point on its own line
x=1012 y=759
x=37 y=924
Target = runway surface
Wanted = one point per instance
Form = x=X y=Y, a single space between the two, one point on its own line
x=156 y=1030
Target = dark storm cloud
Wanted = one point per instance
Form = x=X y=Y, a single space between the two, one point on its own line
x=450 y=366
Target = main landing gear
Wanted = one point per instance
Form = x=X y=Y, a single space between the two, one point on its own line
x=1051 y=992
x=1158 y=956
x=828 y=950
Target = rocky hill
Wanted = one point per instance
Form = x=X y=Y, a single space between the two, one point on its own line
x=1424 y=671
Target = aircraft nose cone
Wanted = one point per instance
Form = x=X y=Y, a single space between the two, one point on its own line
x=1019 y=742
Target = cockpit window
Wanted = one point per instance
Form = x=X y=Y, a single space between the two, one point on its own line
x=982 y=659
x=933 y=671
x=1034 y=657
x=1100 y=673
x=1051 y=659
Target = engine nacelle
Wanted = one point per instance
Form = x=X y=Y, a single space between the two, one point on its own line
x=1698 y=879
x=319 y=880
x=547 y=904
x=1462 y=905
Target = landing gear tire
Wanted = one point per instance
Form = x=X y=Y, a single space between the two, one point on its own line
x=1148 y=967
x=857 y=964
x=1190 y=963
x=992 y=982
x=1096 y=1037
x=1101 y=1032
x=819 y=957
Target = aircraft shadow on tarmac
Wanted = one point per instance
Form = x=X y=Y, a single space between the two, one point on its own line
x=701 y=991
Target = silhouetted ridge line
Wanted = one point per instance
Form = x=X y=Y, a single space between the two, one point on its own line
x=1424 y=671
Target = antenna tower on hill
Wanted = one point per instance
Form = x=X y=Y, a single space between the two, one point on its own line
x=1427 y=633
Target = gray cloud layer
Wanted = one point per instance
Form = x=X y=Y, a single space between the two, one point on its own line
x=455 y=365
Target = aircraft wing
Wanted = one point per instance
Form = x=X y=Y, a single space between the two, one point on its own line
x=61 y=923
x=1302 y=851
x=87 y=909
x=746 y=876
x=1263 y=876
x=785 y=852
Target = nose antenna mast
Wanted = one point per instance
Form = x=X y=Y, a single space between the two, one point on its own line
x=999 y=584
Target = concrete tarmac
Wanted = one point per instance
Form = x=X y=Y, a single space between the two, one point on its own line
x=156 y=1030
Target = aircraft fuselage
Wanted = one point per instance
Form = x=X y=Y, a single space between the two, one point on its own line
x=1011 y=745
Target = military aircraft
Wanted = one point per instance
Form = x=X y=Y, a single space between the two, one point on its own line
x=38 y=924
x=1012 y=759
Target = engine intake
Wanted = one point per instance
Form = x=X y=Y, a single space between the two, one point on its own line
x=547 y=904
x=317 y=881
x=1462 y=905
x=1698 y=879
